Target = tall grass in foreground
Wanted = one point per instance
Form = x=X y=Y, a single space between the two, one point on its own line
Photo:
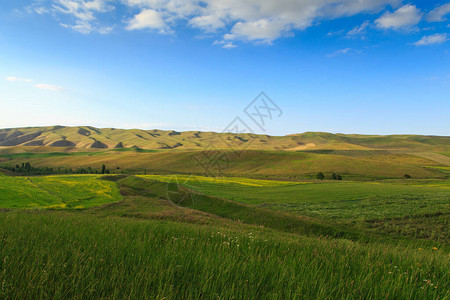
x=56 y=255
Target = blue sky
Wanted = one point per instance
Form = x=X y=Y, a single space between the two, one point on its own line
x=350 y=66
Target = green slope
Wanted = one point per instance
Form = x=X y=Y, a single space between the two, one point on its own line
x=86 y=137
x=56 y=192
x=271 y=164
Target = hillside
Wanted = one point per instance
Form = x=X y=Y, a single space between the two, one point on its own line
x=86 y=137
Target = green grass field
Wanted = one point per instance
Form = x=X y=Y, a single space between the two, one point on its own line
x=56 y=192
x=335 y=200
x=286 y=165
x=76 y=256
x=191 y=237
x=415 y=208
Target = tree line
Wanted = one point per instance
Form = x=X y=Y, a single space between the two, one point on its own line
x=334 y=176
x=27 y=169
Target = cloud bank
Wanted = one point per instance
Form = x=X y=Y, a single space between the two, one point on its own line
x=247 y=20
x=230 y=21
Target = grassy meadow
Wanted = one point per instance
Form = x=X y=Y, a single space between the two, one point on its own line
x=285 y=165
x=57 y=255
x=68 y=191
x=412 y=208
x=329 y=199
x=266 y=229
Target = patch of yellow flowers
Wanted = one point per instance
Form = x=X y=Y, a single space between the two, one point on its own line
x=219 y=180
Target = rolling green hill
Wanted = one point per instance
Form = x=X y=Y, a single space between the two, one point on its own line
x=86 y=137
x=252 y=163
x=292 y=157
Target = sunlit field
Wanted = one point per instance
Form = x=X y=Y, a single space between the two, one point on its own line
x=331 y=200
x=69 y=191
x=180 y=236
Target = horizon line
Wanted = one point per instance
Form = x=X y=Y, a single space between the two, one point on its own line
x=218 y=132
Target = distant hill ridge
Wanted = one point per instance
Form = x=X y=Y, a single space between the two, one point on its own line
x=85 y=137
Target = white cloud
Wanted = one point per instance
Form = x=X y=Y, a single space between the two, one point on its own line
x=178 y=8
x=225 y=44
x=81 y=9
x=48 y=87
x=41 y=10
x=262 y=30
x=344 y=52
x=42 y=86
x=229 y=45
x=105 y=30
x=82 y=12
x=147 y=19
x=403 y=18
x=360 y=30
x=438 y=14
x=257 y=21
x=80 y=26
x=13 y=78
x=207 y=23
x=437 y=38
x=260 y=21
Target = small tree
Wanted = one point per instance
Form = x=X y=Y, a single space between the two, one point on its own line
x=334 y=176
x=339 y=177
x=103 y=169
x=407 y=176
x=320 y=176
